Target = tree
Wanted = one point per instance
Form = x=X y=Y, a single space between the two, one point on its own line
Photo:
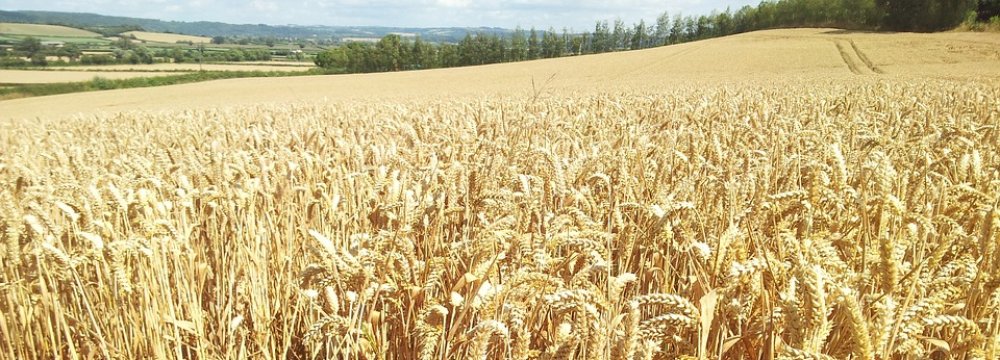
x=124 y=42
x=335 y=58
x=39 y=59
x=602 y=41
x=618 y=35
x=723 y=23
x=448 y=55
x=638 y=40
x=704 y=28
x=518 y=45
x=552 y=47
x=923 y=15
x=145 y=56
x=218 y=40
x=30 y=46
x=534 y=45
x=677 y=30
x=391 y=53
x=71 y=51
x=662 y=34
x=421 y=55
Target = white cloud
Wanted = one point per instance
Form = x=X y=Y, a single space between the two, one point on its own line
x=261 y=5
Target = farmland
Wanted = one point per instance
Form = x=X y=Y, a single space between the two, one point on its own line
x=52 y=77
x=44 y=30
x=165 y=37
x=173 y=67
x=799 y=193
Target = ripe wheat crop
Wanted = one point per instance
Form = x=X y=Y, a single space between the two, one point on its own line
x=855 y=220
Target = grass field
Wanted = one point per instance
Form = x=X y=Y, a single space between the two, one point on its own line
x=166 y=38
x=794 y=194
x=44 y=30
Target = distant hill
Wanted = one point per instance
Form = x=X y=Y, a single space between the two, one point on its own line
x=104 y=23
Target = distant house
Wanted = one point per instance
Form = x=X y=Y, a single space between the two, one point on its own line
x=55 y=44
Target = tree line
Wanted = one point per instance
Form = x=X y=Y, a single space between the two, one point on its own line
x=395 y=53
x=31 y=51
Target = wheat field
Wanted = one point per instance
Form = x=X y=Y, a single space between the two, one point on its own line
x=842 y=216
x=166 y=37
x=44 y=30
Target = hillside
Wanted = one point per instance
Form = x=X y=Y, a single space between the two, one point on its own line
x=210 y=28
x=165 y=37
x=44 y=30
x=774 y=55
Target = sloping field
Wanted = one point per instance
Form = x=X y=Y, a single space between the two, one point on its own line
x=793 y=194
x=167 y=38
x=256 y=66
x=50 y=77
x=44 y=30
x=810 y=54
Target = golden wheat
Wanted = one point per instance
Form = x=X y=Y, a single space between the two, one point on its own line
x=847 y=220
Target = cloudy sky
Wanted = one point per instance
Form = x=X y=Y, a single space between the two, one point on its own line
x=576 y=14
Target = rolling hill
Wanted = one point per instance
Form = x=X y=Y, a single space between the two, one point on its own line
x=44 y=30
x=209 y=28
x=771 y=56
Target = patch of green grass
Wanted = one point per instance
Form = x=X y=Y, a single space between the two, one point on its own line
x=98 y=83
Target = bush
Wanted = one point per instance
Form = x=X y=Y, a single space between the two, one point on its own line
x=39 y=60
x=97 y=60
x=13 y=62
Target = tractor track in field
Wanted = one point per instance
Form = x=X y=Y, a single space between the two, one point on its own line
x=856 y=60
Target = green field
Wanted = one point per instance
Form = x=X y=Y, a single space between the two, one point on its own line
x=44 y=30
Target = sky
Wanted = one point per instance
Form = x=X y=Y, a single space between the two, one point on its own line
x=578 y=15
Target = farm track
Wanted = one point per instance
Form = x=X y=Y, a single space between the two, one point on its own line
x=855 y=59
x=848 y=59
x=864 y=58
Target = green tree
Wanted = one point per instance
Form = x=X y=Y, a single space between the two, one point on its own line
x=602 y=41
x=518 y=45
x=677 y=30
x=534 y=45
x=39 y=59
x=552 y=46
x=72 y=51
x=639 y=39
x=332 y=59
x=661 y=35
x=421 y=55
x=391 y=53
x=923 y=15
x=124 y=42
x=618 y=36
x=29 y=46
x=448 y=55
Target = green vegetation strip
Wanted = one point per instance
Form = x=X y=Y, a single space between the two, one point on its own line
x=99 y=83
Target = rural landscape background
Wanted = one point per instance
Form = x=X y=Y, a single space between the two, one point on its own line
x=796 y=179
